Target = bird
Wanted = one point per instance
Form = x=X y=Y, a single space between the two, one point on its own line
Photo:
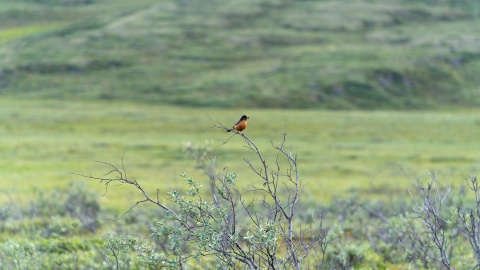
x=240 y=125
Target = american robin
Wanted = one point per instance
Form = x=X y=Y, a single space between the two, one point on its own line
x=241 y=124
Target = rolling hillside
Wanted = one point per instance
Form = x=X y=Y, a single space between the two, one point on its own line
x=261 y=53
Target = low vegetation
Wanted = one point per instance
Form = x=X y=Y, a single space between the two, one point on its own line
x=272 y=223
x=347 y=54
x=373 y=154
x=132 y=84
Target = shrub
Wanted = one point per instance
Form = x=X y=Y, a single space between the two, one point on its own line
x=228 y=229
x=82 y=204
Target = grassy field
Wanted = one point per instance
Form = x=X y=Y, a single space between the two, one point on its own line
x=376 y=154
x=91 y=80
x=348 y=54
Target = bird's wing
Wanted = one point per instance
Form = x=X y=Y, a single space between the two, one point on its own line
x=238 y=122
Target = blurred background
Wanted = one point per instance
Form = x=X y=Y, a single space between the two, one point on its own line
x=395 y=54
x=369 y=91
x=373 y=94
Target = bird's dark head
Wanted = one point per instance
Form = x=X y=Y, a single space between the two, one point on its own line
x=244 y=117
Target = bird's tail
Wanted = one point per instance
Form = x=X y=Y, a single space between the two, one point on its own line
x=228 y=130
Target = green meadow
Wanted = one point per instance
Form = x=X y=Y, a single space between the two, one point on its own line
x=373 y=95
x=347 y=54
x=376 y=154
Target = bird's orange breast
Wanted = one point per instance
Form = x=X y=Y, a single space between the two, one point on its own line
x=241 y=126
